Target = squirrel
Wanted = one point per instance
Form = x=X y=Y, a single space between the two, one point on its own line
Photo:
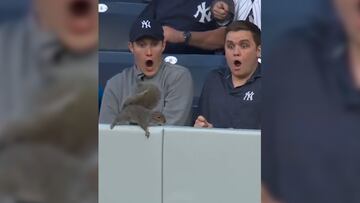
x=146 y=95
x=138 y=108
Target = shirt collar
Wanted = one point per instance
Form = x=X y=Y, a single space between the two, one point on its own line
x=141 y=76
x=226 y=73
x=256 y=74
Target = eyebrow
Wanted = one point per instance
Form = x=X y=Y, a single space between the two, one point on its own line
x=139 y=41
x=244 y=40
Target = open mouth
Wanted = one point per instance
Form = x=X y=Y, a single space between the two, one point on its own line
x=80 y=8
x=237 y=63
x=149 y=63
x=82 y=16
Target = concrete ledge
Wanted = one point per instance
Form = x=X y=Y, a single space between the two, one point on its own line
x=178 y=165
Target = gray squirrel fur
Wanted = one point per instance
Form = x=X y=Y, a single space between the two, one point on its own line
x=138 y=108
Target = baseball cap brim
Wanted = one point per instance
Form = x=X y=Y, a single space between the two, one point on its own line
x=149 y=35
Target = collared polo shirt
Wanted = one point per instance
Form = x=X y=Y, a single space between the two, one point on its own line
x=227 y=107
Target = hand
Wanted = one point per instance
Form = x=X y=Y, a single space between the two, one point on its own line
x=266 y=197
x=172 y=35
x=201 y=122
x=220 y=10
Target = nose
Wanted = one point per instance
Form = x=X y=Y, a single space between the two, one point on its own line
x=148 y=51
x=237 y=51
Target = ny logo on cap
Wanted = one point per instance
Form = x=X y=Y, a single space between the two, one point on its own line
x=145 y=24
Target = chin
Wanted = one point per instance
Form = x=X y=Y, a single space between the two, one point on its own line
x=78 y=30
x=80 y=44
x=236 y=72
x=239 y=74
x=151 y=74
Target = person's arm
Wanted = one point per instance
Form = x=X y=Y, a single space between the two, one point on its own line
x=209 y=40
x=109 y=105
x=355 y=63
x=178 y=99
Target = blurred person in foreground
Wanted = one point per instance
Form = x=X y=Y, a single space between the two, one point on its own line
x=310 y=132
x=55 y=36
x=49 y=72
x=48 y=103
x=231 y=96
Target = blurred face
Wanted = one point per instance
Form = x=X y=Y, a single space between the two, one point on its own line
x=241 y=53
x=147 y=55
x=75 y=22
x=349 y=12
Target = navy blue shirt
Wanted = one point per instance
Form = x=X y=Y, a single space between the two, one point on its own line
x=227 y=107
x=183 y=15
x=311 y=124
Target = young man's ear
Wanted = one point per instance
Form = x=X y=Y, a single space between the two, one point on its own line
x=258 y=51
x=131 y=47
x=163 y=45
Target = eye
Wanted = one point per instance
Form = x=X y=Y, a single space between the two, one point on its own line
x=155 y=43
x=244 y=45
x=141 y=44
x=230 y=46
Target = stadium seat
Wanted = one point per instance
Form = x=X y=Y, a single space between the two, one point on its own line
x=115 y=23
x=111 y=63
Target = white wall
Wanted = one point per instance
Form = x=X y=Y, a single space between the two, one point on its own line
x=178 y=165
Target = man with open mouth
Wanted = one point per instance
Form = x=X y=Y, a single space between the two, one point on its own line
x=54 y=35
x=74 y=23
x=231 y=96
x=48 y=61
x=174 y=81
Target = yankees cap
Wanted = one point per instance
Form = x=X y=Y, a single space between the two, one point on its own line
x=146 y=27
